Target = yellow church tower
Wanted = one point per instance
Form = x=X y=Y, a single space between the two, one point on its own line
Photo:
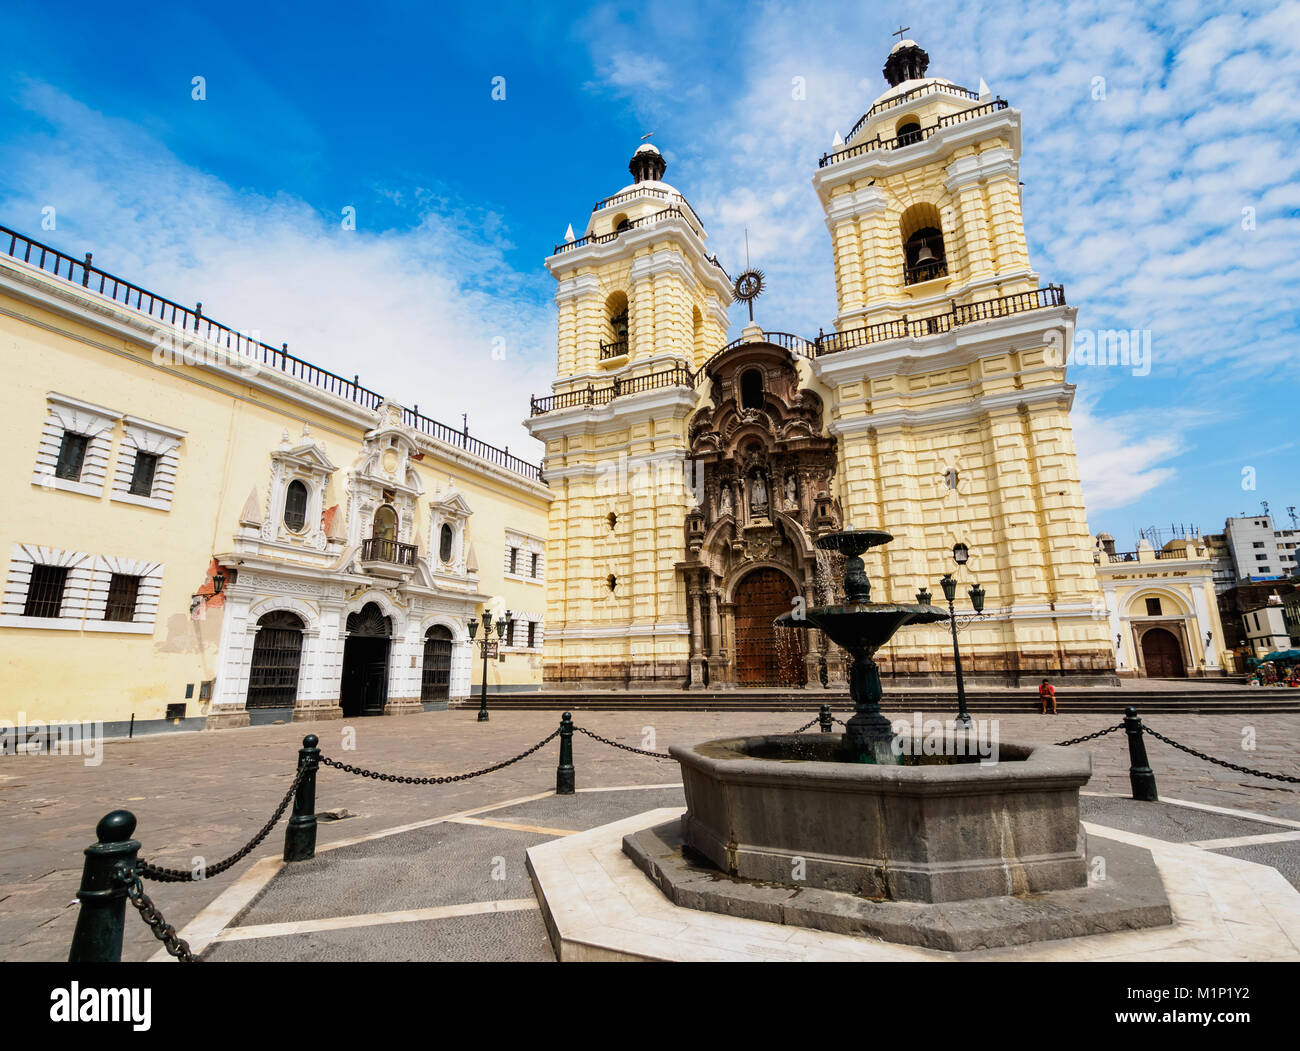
x=691 y=479
x=946 y=380
x=641 y=304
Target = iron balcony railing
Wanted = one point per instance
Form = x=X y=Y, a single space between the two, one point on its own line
x=908 y=96
x=377 y=549
x=460 y=438
x=913 y=136
x=935 y=266
x=613 y=350
x=236 y=347
x=1124 y=556
x=647 y=191
x=958 y=315
x=678 y=376
x=646 y=220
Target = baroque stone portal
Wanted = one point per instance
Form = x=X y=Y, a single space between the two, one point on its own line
x=767 y=484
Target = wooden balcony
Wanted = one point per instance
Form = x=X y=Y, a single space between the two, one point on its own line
x=388 y=558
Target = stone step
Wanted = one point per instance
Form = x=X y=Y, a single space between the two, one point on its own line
x=1100 y=701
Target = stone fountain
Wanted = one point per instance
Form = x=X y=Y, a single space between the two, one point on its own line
x=876 y=832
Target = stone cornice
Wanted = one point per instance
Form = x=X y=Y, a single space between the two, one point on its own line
x=972 y=409
x=621 y=412
x=966 y=171
x=854 y=205
x=910 y=355
x=671 y=228
x=880 y=164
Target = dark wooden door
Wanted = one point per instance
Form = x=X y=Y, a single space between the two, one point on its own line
x=1162 y=655
x=766 y=655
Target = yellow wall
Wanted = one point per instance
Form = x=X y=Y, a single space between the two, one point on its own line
x=231 y=429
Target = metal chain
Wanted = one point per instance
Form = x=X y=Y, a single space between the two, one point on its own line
x=165 y=875
x=1090 y=737
x=1221 y=762
x=399 y=779
x=162 y=930
x=625 y=747
x=811 y=722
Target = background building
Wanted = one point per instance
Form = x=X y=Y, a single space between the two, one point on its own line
x=1163 y=614
x=200 y=527
x=691 y=478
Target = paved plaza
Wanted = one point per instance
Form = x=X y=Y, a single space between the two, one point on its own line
x=454 y=884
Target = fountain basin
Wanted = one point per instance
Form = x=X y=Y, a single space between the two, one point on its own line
x=950 y=829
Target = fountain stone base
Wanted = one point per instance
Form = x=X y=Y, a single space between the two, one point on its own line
x=794 y=810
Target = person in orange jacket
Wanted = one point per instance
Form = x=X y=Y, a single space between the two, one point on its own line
x=1047 y=692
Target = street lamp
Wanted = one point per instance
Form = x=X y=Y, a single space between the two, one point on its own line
x=486 y=645
x=960 y=555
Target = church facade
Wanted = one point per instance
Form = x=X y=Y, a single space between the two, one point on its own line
x=691 y=476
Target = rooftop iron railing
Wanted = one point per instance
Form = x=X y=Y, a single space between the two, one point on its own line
x=641 y=190
x=238 y=348
x=907 y=96
x=915 y=135
x=645 y=220
x=959 y=314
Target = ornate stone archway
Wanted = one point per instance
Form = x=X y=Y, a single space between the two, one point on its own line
x=767 y=472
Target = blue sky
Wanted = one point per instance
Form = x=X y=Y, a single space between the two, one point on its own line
x=1148 y=133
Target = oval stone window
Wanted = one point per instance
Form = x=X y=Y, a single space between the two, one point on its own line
x=444 y=543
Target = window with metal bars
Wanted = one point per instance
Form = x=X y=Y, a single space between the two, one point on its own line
x=435 y=680
x=537 y=560
x=532 y=634
x=510 y=632
x=514 y=558
x=72 y=455
x=277 y=652
x=45 y=592
x=142 y=474
x=123 y=590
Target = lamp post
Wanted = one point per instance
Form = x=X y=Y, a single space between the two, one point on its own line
x=486 y=646
x=960 y=555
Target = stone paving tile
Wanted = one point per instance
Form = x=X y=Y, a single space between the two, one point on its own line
x=493 y=938
x=1173 y=823
x=207 y=793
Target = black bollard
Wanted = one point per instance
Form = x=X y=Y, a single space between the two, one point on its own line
x=564 y=772
x=98 y=934
x=300 y=833
x=1140 y=774
x=824 y=718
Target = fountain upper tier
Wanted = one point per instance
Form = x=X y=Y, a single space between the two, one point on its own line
x=858 y=625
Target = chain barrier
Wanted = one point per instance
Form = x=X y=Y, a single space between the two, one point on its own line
x=811 y=722
x=165 y=875
x=162 y=930
x=627 y=747
x=1221 y=762
x=1089 y=737
x=446 y=780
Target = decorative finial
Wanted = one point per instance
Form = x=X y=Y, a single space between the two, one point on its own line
x=647 y=164
x=906 y=61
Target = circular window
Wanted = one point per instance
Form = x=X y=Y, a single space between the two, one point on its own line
x=295 y=506
x=444 y=543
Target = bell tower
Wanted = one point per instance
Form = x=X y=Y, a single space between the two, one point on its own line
x=642 y=304
x=922 y=200
x=947 y=378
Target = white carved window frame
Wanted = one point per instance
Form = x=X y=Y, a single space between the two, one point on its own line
x=454 y=512
x=65 y=414
x=306 y=464
x=146 y=599
x=527 y=545
x=143 y=436
x=72 y=609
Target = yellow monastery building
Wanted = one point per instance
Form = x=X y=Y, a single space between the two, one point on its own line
x=204 y=530
x=689 y=479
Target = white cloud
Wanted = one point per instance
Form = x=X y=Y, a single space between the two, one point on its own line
x=417 y=312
